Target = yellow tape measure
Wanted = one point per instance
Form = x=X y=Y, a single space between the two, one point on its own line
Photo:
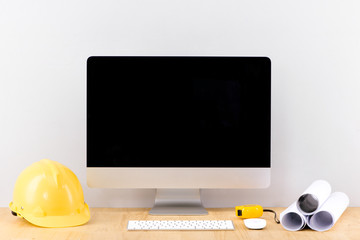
x=253 y=211
x=249 y=211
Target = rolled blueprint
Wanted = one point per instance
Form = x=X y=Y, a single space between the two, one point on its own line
x=329 y=212
x=313 y=197
x=291 y=218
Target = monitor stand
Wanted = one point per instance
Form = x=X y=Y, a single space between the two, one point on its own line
x=178 y=202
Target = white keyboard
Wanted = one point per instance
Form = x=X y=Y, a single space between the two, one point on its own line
x=181 y=225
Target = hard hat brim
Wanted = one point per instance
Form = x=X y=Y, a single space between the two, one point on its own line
x=60 y=221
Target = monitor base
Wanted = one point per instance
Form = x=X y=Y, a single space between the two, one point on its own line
x=178 y=202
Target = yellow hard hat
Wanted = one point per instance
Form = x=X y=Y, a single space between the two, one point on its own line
x=48 y=194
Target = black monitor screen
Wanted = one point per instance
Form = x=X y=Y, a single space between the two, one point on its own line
x=178 y=112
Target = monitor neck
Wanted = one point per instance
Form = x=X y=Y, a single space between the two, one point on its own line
x=178 y=202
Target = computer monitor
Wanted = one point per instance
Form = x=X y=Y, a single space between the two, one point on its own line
x=178 y=124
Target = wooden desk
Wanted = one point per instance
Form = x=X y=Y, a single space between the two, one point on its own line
x=110 y=223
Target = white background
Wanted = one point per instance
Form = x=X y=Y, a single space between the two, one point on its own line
x=315 y=50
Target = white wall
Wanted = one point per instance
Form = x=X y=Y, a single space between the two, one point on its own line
x=315 y=52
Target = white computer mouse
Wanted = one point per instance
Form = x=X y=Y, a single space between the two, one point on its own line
x=255 y=223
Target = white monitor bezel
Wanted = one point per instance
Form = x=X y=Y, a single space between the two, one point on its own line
x=200 y=178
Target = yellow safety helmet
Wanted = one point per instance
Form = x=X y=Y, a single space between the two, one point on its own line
x=48 y=194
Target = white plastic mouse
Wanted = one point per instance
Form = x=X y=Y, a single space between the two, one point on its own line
x=255 y=223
